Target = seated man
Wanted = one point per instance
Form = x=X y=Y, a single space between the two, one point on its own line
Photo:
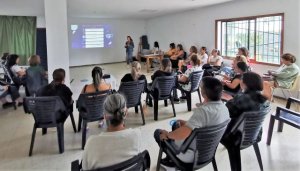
x=58 y=88
x=117 y=144
x=211 y=112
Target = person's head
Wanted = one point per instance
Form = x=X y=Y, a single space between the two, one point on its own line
x=115 y=110
x=5 y=55
x=59 y=75
x=251 y=81
x=215 y=52
x=97 y=76
x=13 y=59
x=172 y=45
x=34 y=60
x=166 y=65
x=135 y=70
x=203 y=50
x=129 y=38
x=243 y=51
x=179 y=47
x=241 y=67
x=211 y=88
x=195 y=60
x=193 y=49
x=156 y=45
x=288 y=58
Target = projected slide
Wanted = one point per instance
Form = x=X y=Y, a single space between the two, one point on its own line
x=91 y=36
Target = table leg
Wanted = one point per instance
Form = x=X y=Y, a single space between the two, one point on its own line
x=148 y=65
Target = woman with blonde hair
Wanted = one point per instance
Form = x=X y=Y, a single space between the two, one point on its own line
x=136 y=74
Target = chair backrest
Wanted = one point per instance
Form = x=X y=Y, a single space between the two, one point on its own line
x=132 y=92
x=251 y=125
x=91 y=104
x=195 y=80
x=44 y=109
x=136 y=163
x=34 y=81
x=164 y=86
x=207 y=140
x=296 y=84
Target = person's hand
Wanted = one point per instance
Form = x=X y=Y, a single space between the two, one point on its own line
x=163 y=135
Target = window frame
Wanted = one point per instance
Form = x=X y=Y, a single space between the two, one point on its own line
x=252 y=18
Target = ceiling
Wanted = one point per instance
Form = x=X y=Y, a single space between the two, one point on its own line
x=142 y=9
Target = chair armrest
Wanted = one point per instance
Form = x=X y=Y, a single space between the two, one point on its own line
x=170 y=147
x=290 y=100
x=75 y=166
x=279 y=109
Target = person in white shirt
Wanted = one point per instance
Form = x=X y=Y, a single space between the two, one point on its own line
x=203 y=56
x=115 y=145
x=13 y=65
x=215 y=59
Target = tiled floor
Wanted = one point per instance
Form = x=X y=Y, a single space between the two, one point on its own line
x=16 y=129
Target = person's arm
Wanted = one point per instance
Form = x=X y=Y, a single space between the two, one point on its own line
x=233 y=107
x=287 y=72
x=179 y=134
x=233 y=84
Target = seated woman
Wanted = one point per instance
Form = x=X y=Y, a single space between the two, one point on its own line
x=177 y=56
x=284 y=76
x=183 y=79
x=184 y=64
x=232 y=86
x=214 y=63
x=18 y=73
x=171 y=51
x=13 y=92
x=121 y=143
x=36 y=76
x=165 y=70
x=203 y=56
x=135 y=74
x=250 y=99
x=98 y=85
x=242 y=51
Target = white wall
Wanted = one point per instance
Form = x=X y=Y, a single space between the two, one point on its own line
x=197 y=27
x=40 y=22
x=120 y=29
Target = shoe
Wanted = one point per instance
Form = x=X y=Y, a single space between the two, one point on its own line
x=183 y=98
x=101 y=123
x=198 y=104
x=167 y=162
x=7 y=105
x=149 y=104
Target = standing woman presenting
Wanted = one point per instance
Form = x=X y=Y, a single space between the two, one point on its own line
x=129 y=49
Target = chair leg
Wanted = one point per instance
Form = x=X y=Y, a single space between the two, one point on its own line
x=173 y=107
x=199 y=94
x=166 y=103
x=155 y=109
x=73 y=122
x=79 y=123
x=214 y=163
x=83 y=134
x=189 y=101
x=235 y=158
x=280 y=126
x=136 y=109
x=142 y=113
x=270 y=131
x=44 y=131
x=257 y=152
x=32 y=140
x=159 y=159
x=60 y=137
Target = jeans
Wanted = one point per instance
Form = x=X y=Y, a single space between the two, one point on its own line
x=129 y=57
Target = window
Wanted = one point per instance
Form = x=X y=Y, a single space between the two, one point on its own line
x=261 y=35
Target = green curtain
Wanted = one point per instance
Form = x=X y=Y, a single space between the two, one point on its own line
x=18 y=36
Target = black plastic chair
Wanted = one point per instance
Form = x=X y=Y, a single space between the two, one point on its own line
x=132 y=92
x=244 y=133
x=207 y=140
x=139 y=162
x=161 y=89
x=90 y=107
x=284 y=115
x=195 y=80
x=45 y=111
x=34 y=81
